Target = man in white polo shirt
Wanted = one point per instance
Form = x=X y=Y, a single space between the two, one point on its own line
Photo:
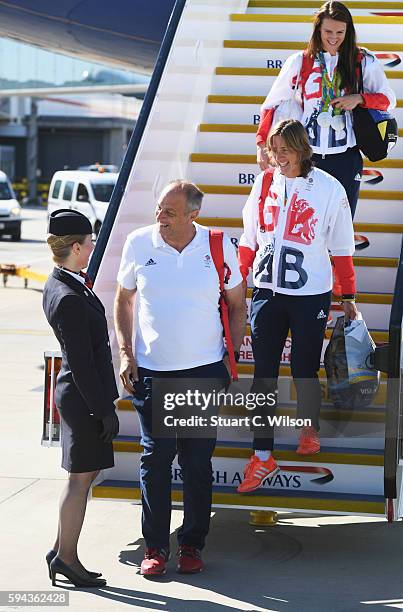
x=167 y=268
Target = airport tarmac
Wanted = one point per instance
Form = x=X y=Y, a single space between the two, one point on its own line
x=303 y=564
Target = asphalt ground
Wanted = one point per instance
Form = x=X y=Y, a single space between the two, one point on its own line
x=303 y=564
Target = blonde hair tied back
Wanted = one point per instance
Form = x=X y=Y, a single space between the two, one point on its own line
x=61 y=245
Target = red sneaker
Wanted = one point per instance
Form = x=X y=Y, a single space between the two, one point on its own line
x=190 y=561
x=256 y=473
x=154 y=562
x=309 y=443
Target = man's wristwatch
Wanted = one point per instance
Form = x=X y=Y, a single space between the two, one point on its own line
x=348 y=297
x=236 y=355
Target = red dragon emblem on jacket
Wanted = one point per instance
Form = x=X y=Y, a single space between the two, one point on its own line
x=301 y=222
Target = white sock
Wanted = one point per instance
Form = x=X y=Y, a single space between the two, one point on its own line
x=263 y=455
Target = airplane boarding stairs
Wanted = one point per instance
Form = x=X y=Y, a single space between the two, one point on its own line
x=198 y=121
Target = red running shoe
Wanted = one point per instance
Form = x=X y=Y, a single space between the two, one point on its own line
x=309 y=443
x=257 y=472
x=190 y=561
x=154 y=562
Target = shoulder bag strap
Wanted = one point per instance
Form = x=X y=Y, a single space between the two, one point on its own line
x=217 y=253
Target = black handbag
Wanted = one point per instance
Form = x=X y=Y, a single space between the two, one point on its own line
x=375 y=130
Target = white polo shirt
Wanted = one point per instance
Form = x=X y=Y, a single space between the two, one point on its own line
x=178 y=323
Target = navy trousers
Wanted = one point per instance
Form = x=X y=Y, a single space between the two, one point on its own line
x=345 y=167
x=272 y=315
x=194 y=457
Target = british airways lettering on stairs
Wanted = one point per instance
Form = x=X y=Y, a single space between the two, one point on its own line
x=290 y=477
x=274 y=63
x=246 y=179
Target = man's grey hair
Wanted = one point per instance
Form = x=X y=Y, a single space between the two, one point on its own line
x=192 y=193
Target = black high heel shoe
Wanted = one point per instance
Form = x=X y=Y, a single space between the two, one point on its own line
x=57 y=566
x=52 y=554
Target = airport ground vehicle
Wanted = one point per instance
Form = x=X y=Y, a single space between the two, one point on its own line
x=10 y=210
x=198 y=121
x=86 y=191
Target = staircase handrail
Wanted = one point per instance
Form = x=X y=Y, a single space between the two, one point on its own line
x=135 y=139
x=393 y=431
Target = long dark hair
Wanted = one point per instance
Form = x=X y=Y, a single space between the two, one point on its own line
x=348 y=50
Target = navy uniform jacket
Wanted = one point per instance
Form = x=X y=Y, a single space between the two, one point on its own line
x=86 y=380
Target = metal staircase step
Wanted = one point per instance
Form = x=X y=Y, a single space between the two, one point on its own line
x=262 y=499
x=231 y=450
x=294 y=45
x=358 y=4
x=271 y=18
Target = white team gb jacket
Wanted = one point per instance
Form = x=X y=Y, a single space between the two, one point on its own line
x=325 y=140
x=292 y=249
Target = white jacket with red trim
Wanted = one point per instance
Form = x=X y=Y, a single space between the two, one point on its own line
x=377 y=94
x=291 y=254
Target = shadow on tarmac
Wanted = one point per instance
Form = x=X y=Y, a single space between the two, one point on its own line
x=317 y=568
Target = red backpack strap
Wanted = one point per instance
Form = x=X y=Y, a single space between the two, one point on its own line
x=217 y=252
x=306 y=69
x=266 y=184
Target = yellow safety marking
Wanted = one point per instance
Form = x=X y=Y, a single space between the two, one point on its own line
x=250 y=18
x=220 y=222
x=295 y=45
x=281 y=455
x=257 y=100
x=363 y=298
x=249 y=368
x=342 y=458
x=239 y=190
x=376 y=262
x=383 y=228
x=125 y=404
x=335 y=415
x=384 y=163
x=119 y=446
x=25 y=332
x=318 y=3
x=379 y=400
x=229 y=158
x=246 y=71
x=31 y=275
x=228 y=127
x=221 y=99
x=366 y=194
x=232 y=499
x=378 y=336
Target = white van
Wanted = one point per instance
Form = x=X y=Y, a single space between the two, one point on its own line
x=85 y=191
x=10 y=210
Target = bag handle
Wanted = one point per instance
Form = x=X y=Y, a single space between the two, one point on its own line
x=217 y=252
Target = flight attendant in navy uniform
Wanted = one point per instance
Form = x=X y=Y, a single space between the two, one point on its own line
x=85 y=388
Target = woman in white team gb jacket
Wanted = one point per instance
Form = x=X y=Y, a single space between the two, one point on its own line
x=293 y=217
x=328 y=75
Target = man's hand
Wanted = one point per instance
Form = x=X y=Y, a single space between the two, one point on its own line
x=347 y=103
x=262 y=158
x=350 y=310
x=128 y=372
